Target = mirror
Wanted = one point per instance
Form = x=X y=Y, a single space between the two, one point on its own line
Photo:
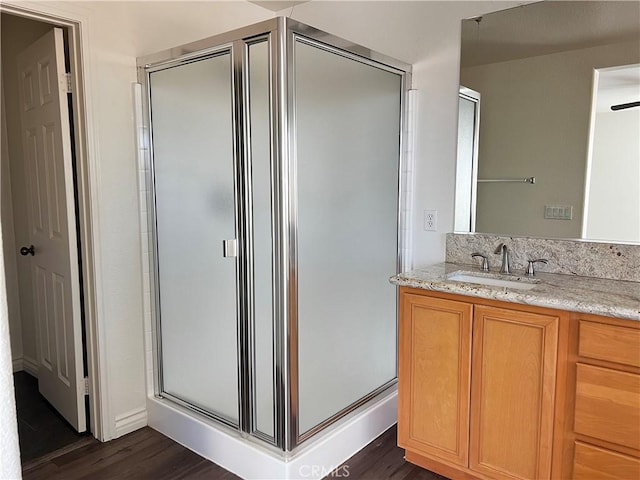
x=538 y=71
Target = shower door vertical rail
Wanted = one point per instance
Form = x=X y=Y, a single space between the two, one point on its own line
x=286 y=339
x=261 y=203
x=243 y=204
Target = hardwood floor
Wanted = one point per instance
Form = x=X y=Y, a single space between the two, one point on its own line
x=149 y=455
x=143 y=454
x=40 y=428
x=382 y=459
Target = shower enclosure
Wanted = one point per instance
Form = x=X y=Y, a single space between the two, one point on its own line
x=275 y=160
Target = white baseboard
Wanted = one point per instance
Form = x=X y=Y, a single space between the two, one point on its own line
x=130 y=421
x=30 y=365
x=18 y=364
x=251 y=461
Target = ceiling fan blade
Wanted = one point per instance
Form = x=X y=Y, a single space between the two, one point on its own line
x=624 y=106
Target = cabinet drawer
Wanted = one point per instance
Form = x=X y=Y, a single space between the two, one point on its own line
x=593 y=463
x=608 y=405
x=610 y=343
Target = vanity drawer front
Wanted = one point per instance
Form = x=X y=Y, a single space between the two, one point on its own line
x=591 y=463
x=611 y=343
x=608 y=405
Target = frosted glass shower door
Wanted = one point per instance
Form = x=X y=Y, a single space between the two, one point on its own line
x=347 y=117
x=192 y=132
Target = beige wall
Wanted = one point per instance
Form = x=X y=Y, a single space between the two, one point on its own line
x=17 y=34
x=534 y=121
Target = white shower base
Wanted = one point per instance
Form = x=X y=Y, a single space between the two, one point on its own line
x=314 y=460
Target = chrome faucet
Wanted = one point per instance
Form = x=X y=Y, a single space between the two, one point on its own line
x=502 y=248
x=530 y=270
x=485 y=261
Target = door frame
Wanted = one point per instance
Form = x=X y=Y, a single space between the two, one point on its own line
x=78 y=23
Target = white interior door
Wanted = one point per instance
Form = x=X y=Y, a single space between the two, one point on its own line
x=46 y=137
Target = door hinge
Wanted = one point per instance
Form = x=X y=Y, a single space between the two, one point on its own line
x=86 y=385
x=68 y=80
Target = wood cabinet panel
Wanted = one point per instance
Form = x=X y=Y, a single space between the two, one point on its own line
x=611 y=343
x=593 y=463
x=434 y=377
x=513 y=393
x=608 y=405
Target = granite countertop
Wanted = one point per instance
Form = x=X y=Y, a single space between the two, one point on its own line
x=599 y=296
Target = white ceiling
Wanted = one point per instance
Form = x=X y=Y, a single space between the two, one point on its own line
x=548 y=27
x=618 y=85
x=275 y=5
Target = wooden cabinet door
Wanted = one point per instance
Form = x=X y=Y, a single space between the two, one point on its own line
x=513 y=390
x=434 y=377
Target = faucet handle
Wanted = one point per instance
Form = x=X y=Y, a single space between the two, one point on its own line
x=485 y=261
x=530 y=270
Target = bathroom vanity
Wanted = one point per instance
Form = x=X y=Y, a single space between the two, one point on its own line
x=538 y=379
x=530 y=376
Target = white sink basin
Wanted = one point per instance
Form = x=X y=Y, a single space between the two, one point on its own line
x=490 y=281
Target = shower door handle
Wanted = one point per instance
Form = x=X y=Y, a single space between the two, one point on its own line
x=230 y=248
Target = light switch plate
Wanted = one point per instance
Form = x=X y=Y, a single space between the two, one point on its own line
x=558 y=212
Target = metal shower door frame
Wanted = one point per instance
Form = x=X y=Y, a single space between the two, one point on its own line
x=236 y=43
x=281 y=34
x=289 y=33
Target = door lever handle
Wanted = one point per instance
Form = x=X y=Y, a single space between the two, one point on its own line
x=230 y=248
x=24 y=251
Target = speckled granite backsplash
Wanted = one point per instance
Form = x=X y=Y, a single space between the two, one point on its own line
x=574 y=257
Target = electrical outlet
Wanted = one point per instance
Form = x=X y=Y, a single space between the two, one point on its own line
x=431 y=220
